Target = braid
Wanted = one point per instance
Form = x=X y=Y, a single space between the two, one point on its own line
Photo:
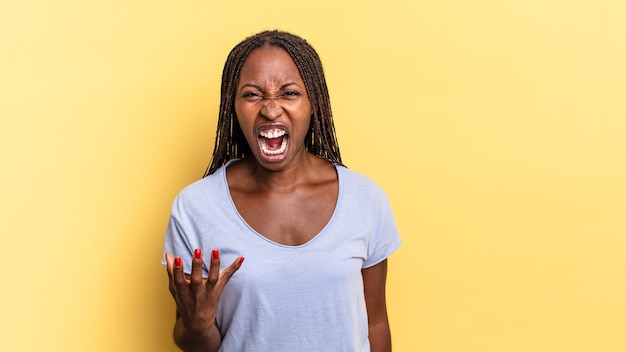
x=320 y=140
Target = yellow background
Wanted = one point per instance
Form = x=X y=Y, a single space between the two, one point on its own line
x=497 y=128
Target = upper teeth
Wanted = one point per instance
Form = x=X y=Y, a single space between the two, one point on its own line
x=272 y=133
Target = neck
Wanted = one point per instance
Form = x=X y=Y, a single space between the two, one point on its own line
x=299 y=172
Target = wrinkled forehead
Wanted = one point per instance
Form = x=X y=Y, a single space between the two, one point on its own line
x=269 y=61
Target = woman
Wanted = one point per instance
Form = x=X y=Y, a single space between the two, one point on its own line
x=315 y=235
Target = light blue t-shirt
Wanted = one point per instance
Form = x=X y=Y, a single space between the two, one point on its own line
x=288 y=298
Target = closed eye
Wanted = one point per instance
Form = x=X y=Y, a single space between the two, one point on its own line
x=251 y=95
x=291 y=94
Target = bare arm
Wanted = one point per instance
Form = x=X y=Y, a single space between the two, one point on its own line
x=374 y=280
x=197 y=300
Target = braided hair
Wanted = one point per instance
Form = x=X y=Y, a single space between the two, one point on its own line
x=320 y=139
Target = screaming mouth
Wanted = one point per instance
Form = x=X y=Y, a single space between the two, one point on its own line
x=273 y=142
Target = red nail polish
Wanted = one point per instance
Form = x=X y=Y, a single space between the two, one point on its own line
x=198 y=253
x=216 y=254
x=241 y=260
x=178 y=262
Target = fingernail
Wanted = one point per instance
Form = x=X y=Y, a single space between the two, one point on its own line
x=178 y=262
x=241 y=260
x=198 y=253
x=216 y=254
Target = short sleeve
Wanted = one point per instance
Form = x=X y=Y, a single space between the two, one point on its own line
x=385 y=240
x=178 y=241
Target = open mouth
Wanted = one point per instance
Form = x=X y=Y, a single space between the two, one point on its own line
x=273 y=142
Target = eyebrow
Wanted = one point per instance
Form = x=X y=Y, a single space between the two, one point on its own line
x=286 y=85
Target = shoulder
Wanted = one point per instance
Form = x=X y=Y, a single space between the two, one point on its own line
x=359 y=186
x=200 y=187
x=196 y=194
x=356 y=179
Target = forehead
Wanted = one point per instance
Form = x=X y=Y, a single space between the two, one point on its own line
x=269 y=62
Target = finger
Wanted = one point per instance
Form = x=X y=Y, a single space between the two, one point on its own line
x=169 y=264
x=169 y=261
x=196 y=268
x=179 y=275
x=214 y=269
x=230 y=271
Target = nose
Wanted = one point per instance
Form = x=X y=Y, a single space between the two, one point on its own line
x=271 y=110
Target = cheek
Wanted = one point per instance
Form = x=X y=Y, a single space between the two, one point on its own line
x=308 y=117
x=301 y=111
x=241 y=117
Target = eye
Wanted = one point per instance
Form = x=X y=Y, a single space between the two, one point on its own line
x=290 y=94
x=251 y=95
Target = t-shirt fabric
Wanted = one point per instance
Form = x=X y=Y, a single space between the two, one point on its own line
x=288 y=298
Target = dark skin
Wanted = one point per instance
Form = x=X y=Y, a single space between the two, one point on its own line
x=196 y=301
x=300 y=207
x=294 y=188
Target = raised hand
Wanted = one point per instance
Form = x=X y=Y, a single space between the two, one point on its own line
x=197 y=298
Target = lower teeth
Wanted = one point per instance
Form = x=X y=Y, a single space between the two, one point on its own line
x=268 y=151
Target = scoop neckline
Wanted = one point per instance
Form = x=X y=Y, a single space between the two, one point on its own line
x=243 y=221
